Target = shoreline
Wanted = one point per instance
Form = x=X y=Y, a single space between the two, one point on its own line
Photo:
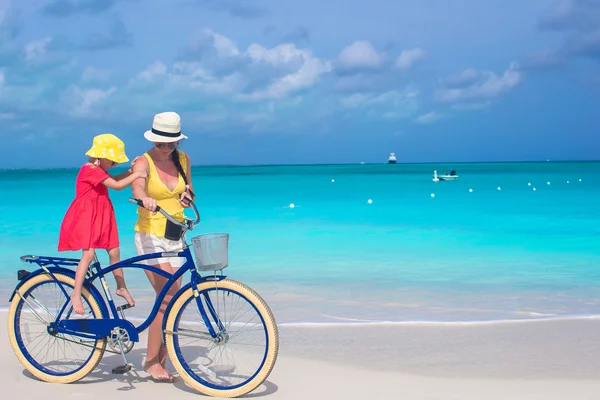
x=351 y=322
x=306 y=315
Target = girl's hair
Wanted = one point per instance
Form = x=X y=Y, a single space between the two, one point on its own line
x=175 y=158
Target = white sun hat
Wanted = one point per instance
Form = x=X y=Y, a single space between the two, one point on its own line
x=166 y=127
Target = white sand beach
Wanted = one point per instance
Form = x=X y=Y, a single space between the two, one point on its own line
x=525 y=360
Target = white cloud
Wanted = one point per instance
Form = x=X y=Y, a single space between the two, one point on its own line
x=193 y=76
x=5 y=6
x=480 y=85
x=278 y=55
x=256 y=74
x=224 y=45
x=392 y=104
x=392 y=97
x=428 y=118
x=36 y=48
x=360 y=55
x=80 y=102
x=408 y=58
x=222 y=86
x=152 y=72
x=305 y=76
x=92 y=74
x=471 y=106
x=465 y=78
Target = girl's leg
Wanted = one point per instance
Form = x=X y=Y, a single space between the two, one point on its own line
x=82 y=267
x=156 y=358
x=114 y=256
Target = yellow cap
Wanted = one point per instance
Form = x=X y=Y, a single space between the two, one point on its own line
x=108 y=146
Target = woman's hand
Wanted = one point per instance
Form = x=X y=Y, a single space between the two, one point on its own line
x=183 y=200
x=149 y=204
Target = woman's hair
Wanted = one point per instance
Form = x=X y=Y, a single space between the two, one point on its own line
x=175 y=158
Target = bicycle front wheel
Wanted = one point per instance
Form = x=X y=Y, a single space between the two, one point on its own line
x=58 y=357
x=242 y=353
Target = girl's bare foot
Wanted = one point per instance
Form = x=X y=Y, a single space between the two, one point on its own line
x=158 y=373
x=77 y=304
x=124 y=293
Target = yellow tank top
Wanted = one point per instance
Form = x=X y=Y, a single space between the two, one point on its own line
x=167 y=199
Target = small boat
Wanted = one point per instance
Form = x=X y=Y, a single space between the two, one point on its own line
x=446 y=177
x=392 y=158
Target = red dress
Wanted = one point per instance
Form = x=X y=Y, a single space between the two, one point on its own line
x=90 y=221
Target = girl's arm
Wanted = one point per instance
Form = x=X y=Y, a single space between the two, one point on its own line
x=122 y=175
x=126 y=173
x=123 y=183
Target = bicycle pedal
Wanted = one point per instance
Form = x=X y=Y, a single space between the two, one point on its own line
x=124 y=307
x=121 y=369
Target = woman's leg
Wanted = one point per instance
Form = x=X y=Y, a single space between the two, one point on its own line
x=114 y=257
x=156 y=357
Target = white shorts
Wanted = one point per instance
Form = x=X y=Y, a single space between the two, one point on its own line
x=147 y=243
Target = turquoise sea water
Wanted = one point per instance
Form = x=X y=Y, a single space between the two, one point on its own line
x=489 y=254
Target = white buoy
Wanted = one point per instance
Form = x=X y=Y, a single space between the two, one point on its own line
x=579 y=179
x=470 y=190
x=333 y=180
x=534 y=189
x=432 y=195
x=499 y=188
x=548 y=182
x=529 y=184
x=292 y=205
x=369 y=201
x=568 y=182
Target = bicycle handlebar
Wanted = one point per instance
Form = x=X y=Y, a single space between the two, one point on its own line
x=169 y=217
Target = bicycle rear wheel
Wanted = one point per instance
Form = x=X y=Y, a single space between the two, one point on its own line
x=244 y=352
x=55 y=358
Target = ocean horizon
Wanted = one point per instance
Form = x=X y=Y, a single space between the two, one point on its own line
x=487 y=247
x=383 y=162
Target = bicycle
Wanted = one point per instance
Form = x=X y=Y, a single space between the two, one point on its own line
x=211 y=370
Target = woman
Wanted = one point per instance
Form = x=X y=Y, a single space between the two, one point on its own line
x=168 y=183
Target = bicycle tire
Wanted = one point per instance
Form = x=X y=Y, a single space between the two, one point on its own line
x=16 y=340
x=270 y=326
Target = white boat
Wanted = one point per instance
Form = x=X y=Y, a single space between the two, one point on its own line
x=392 y=158
x=446 y=177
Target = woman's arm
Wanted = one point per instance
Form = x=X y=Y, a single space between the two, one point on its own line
x=138 y=188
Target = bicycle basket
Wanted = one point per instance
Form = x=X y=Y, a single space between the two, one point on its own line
x=211 y=251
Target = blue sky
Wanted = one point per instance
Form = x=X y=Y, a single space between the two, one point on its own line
x=267 y=82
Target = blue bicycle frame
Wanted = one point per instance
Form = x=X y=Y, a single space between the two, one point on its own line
x=99 y=328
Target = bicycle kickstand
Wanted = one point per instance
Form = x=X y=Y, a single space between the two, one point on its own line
x=126 y=367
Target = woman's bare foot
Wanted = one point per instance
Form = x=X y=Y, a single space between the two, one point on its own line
x=124 y=293
x=77 y=304
x=158 y=373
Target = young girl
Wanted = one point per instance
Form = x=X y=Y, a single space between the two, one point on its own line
x=90 y=221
